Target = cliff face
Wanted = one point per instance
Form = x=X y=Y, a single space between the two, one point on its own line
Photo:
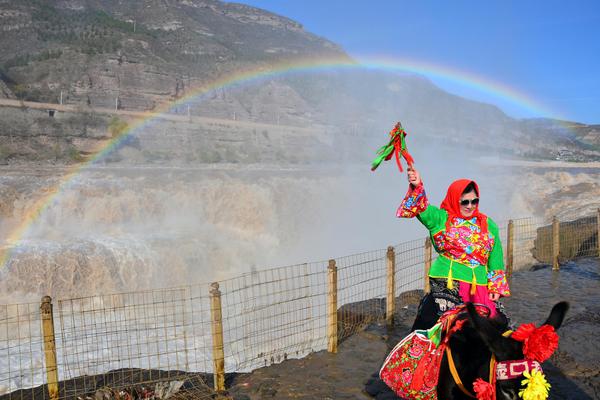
x=140 y=52
x=102 y=55
x=5 y=92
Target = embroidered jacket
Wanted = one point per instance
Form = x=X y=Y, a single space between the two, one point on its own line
x=465 y=254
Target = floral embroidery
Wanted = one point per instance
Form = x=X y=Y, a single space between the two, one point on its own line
x=464 y=243
x=414 y=203
x=413 y=377
x=412 y=368
x=416 y=351
x=497 y=283
x=406 y=376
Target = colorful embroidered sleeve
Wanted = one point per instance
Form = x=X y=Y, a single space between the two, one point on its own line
x=414 y=203
x=497 y=283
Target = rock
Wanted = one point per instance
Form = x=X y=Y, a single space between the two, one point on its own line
x=164 y=390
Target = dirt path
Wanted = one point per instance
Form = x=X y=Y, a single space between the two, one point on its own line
x=162 y=113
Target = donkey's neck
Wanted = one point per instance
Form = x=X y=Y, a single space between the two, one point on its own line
x=472 y=360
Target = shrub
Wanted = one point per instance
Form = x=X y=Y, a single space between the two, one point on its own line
x=74 y=154
x=117 y=127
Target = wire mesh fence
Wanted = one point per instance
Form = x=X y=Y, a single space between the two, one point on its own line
x=361 y=291
x=275 y=314
x=410 y=258
x=163 y=343
x=144 y=342
x=534 y=240
x=579 y=238
x=21 y=349
x=524 y=243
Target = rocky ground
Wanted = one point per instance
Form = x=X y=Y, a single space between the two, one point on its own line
x=573 y=371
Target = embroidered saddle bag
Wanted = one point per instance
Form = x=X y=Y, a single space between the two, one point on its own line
x=411 y=369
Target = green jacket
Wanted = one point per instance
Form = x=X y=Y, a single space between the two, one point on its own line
x=464 y=255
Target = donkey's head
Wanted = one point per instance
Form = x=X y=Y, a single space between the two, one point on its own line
x=519 y=353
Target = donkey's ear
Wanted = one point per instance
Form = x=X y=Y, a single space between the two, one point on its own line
x=502 y=347
x=557 y=315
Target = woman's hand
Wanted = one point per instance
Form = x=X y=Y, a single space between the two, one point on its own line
x=414 y=178
x=494 y=296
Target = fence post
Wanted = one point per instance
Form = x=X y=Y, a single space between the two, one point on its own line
x=427 y=257
x=555 y=243
x=598 y=234
x=510 y=243
x=217 y=336
x=49 y=347
x=391 y=286
x=332 y=339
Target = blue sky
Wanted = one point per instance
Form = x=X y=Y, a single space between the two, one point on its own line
x=547 y=50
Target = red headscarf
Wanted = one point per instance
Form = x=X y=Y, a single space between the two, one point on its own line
x=452 y=203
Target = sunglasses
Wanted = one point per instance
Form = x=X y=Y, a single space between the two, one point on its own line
x=466 y=202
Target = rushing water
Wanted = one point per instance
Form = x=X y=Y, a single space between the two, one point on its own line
x=122 y=229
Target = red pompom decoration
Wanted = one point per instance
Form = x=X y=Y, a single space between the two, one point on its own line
x=483 y=390
x=523 y=332
x=541 y=344
x=538 y=343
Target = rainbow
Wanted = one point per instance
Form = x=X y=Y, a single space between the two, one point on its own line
x=256 y=74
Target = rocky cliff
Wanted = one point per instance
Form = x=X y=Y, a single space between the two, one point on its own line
x=139 y=52
x=101 y=55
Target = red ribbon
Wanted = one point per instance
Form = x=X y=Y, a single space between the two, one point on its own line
x=398 y=131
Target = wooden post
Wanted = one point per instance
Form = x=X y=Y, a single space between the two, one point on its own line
x=427 y=255
x=49 y=347
x=391 y=286
x=332 y=339
x=555 y=243
x=598 y=234
x=217 y=335
x=510 y=243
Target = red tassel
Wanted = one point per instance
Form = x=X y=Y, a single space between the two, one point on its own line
x=408 y=157
x=457 y=326
x=397 y=153
x=483 y=390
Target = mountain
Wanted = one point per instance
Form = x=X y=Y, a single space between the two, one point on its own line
x=128 y=56
x=573 y=141
x=141 y=52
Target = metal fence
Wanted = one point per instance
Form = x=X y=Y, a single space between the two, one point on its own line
x=180 y=342
x=21 y=349
x=272 y=315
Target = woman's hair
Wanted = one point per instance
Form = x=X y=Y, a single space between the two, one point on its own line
x=470 y=188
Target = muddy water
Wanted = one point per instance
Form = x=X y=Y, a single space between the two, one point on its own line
x=573 y=371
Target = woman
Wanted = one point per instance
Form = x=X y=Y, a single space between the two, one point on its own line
x=470 y=266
